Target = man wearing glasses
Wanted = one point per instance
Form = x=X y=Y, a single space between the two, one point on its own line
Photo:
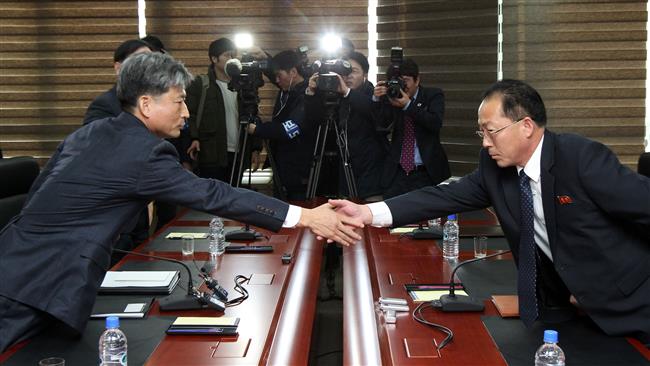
x=577 y=221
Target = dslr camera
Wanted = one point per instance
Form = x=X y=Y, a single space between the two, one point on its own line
x=328 y=82
x=306 y=69
x=395 y=83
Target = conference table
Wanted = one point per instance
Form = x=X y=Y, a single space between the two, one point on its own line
x=276 y=321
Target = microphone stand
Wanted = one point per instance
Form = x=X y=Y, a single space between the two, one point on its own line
x=191 y=300
x=453 y=302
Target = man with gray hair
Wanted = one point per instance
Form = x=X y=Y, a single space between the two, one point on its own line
x=54 y=254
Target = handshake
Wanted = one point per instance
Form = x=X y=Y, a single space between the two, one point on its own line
x=336 y=221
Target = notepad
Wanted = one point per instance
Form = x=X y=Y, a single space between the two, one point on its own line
x=431 y=292
x=140 y=282
x=431 y=295
x=128 y=307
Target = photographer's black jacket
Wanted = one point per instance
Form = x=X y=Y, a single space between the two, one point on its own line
x=368 y=146
x=291 y=139
x=427 y=110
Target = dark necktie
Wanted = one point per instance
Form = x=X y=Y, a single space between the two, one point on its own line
x=407 y=159
x=526 y=285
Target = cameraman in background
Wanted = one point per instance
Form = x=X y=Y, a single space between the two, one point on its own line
x=367 y=146
x=414 y=114
x=291 y=136
x=214 y=116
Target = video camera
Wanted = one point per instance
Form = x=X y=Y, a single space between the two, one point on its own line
x=327 y=70
x=395 y=83
x=246 y=77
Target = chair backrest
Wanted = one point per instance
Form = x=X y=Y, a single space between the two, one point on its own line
x=16 y=177
x=644 y=164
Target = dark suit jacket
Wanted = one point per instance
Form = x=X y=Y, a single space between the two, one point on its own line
x=291 y=139
x=54 y=254
x=105 y=105
x=427 y=111
x=600 y=242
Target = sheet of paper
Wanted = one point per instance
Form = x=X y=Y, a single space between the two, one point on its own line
x=181 y=235
x=134 y=308
x=402 y=230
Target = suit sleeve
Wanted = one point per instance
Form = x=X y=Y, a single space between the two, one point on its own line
x=163 y=178
x=430 y=113
x=616 y=189
x=467 y=194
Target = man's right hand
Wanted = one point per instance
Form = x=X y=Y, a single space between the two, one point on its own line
x=352 y=210
x=193 y=150
x=380 y=89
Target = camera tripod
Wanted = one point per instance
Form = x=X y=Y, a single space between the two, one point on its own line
x=331 y=107
x=247 y=115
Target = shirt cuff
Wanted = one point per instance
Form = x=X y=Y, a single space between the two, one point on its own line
x=293 y=216
x=381 y=216
x=407 y=105
x=375 y=98
x=347 y=93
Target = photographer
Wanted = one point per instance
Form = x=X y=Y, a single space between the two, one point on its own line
x=214 y=116
x=416 y=158
x=366 y=145
x=291 y=137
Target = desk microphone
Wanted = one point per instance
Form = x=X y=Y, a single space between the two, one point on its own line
x=422 y=233
x=193 y=300
x=453 y=302
x=244 y=234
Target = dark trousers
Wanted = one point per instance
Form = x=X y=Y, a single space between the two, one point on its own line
x=403 y=183
x=19 y=322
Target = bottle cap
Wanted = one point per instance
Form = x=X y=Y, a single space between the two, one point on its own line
x=451 y=217
x=550 y=336
x=112 y=322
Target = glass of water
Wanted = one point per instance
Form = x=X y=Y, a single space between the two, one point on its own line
x=480 y=246
x=188 y=245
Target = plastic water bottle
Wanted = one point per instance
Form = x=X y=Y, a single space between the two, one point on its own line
x=450 y=238
x=549 y=354
x=112 y=344
x=216 y=237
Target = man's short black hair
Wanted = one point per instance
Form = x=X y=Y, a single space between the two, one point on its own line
x=407 y=68
x=518 y=100
x=286 y=60
x=127 y=48
x=155 y=43
x=360 y=59
x=219 y=46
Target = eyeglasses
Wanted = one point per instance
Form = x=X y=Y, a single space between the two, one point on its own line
x=482 y=134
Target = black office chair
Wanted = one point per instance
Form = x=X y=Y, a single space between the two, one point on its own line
x=644 y=164
x=16 y=177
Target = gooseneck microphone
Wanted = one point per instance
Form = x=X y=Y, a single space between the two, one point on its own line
x=453 y=302
x=193 y=299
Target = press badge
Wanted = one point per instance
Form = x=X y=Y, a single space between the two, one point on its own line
x=292 y=130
